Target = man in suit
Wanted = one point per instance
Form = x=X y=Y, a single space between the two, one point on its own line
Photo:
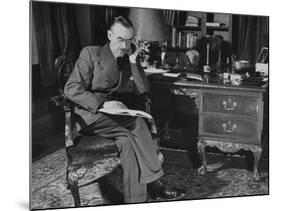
x=105 y=77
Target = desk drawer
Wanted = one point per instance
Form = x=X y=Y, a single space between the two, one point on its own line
x=231 y=104
x=230 y=127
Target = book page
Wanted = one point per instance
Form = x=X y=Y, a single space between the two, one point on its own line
x=173 y=75
x=126 y=112
x=194 y=76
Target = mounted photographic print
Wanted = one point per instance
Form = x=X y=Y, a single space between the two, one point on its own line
x=139 y=105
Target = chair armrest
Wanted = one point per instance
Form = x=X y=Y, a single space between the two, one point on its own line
x=62 y=102
x=147 y=103
x=59 y=100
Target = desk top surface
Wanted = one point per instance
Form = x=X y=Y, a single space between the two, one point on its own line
x=207 y=83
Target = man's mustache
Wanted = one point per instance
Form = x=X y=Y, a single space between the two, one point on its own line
x=124 y=50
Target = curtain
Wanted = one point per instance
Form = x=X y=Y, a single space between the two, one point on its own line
x=56 y=34
x=67 y=32
x=253 y=35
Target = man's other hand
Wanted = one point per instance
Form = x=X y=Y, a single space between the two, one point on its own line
x=114 y=104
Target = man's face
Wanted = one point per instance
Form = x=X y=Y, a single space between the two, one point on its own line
x=120 y=39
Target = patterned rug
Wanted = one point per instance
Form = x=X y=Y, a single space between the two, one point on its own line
x=227 y=176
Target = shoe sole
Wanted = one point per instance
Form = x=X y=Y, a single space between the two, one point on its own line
x=172 y=199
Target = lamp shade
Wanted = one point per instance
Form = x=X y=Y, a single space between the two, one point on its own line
x=149 y=24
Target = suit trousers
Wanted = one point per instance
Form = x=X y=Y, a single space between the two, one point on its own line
x=137 y=150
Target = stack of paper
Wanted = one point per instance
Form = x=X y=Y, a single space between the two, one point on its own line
x=213 y=24
x=192 y=21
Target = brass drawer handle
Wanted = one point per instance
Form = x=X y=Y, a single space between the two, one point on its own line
x=229 y=106
x=229 y=128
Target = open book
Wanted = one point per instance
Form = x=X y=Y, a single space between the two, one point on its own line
x=126 y=112
x=194 y=76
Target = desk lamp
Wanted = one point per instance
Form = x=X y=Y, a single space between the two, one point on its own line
x=150 y=26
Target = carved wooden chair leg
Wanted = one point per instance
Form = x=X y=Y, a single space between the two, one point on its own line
x=166 y=130
x=201 y=149
x=257 y=155
x=75 y=193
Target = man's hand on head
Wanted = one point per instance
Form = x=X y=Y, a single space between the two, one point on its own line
x=134 y=54
x=114 y=104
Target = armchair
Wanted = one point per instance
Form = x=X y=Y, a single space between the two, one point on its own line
x=83 y=154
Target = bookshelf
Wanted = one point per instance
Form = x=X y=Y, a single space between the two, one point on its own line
x=209 y=24
x=225 y=25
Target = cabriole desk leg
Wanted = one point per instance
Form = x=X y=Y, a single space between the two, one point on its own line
x=201 y=148
x=257 y=155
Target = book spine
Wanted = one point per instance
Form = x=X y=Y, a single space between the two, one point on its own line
x=188 y=40
x=179 y=39
x=174 y=37
x=173 y=18
x=183 y=43
x=178 y=18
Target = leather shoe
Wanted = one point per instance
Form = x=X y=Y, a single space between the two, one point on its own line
x=158 y=191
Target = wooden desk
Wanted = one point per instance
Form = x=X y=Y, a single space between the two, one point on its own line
x=230 y=117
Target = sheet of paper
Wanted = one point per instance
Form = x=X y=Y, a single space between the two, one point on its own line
x=194 y=76
x=173 y=75
x=155 y=71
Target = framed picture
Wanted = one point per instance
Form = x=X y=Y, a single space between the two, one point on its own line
x=130 y=105
x=263 y=55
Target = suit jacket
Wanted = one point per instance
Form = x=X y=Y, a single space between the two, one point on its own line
x=97 y=78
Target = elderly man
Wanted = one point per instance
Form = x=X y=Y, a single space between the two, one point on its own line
x=105 y=77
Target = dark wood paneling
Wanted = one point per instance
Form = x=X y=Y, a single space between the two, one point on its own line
x=47 y=120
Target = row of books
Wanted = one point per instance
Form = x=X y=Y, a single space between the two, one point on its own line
x=169 y=16
x=173 y=17
x=184 y=39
